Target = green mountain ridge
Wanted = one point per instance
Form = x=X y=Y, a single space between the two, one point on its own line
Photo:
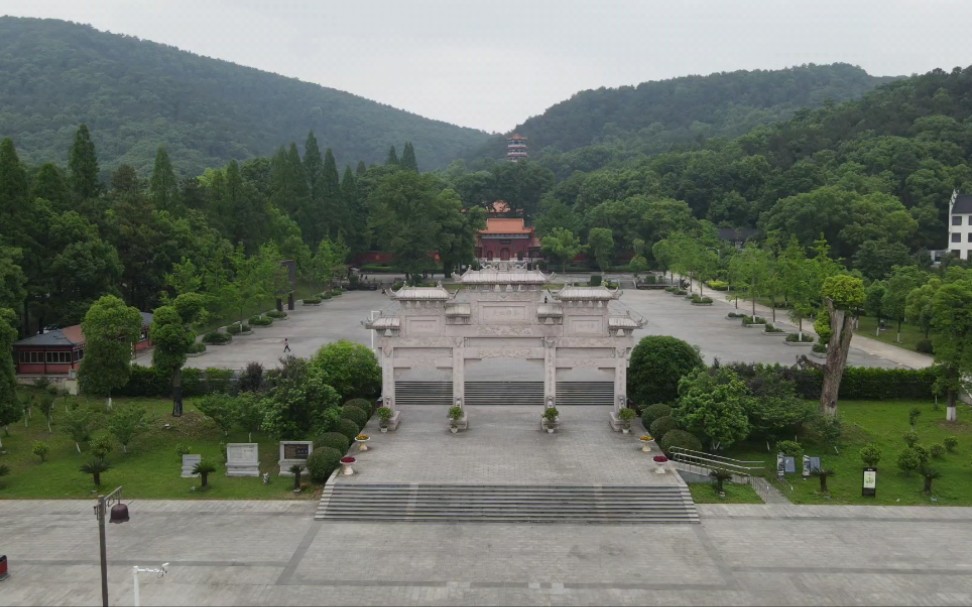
x=136 y=95
x=679 y=113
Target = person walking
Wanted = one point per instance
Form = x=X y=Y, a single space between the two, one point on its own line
x=286 y=345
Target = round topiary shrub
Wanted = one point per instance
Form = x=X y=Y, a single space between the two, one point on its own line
x=261 y=321
x=359 y=417
x=278 y=314
x=679 y=438
x=368 y=406
x=658 y=362
x=334 y=440
x=653 y=412
x=217 y=338
x=322 y=462
x=662 y=426
x=348 y=428
x=234 y=329
x=196 y=347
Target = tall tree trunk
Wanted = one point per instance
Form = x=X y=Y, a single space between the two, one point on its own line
x=177 y=393
x=841 y=324
x=953 y=382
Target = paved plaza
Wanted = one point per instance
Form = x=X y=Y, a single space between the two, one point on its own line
x=309 y=327
x=275 y=553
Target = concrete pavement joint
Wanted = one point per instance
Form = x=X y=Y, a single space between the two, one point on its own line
x=288 y=573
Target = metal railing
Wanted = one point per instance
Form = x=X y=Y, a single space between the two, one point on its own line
x=745 y=472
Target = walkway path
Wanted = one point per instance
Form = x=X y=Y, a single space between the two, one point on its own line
x=274 y=553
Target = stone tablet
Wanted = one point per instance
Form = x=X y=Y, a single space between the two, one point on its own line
x=188 y=463
x=242 y=459
x=294 y=452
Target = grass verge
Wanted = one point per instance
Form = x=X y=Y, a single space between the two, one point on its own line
x=150 y=470
x=883 y=423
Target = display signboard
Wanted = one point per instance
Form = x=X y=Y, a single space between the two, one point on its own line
x=869 y=482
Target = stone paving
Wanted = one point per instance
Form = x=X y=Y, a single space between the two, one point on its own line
x=308 y=328
x=504 y=445
x=274 y=553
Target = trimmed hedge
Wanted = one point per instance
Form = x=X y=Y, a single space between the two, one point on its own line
x=278 y=314
x=308 y=301
x=234 y=329
x=197 y=347
x=146 y=381
x=217 y=338
x=653 y=412
x=663 y=425
x=368 y=406
x=348 y=428
x=334 y=440
x=322 y=462
x=679 y=438
x=858 y=383
x=359 y=417
x=261 y=321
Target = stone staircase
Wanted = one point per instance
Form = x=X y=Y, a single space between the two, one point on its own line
x=423 y=393
x=585 y=393
x=526 y=393
x=436 y=503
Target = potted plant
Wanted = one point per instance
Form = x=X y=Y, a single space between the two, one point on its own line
x=384 y=416
x=646 y=443
x=455 y=414
x=626 y=415
x=550 y=415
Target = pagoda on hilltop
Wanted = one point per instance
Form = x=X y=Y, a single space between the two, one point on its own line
x=516 y=147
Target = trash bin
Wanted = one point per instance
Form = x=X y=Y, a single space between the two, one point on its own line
x=3 y=567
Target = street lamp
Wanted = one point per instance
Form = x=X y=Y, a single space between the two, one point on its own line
x=119 y=514
x=160 y=572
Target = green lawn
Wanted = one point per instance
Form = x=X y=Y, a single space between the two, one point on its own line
x=705 y=493
x=150 y=470
x=884 y=423
x=910 y=334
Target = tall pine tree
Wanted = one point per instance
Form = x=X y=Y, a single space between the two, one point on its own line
x=164 y=187
x=83 y=164
x=408 y=158
x=335 y=212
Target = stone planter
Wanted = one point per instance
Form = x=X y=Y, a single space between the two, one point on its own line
x=774 y=333
x=346 y=469
x=454 y=429
x=818 y=354
x=798 y=343
x=701 y=303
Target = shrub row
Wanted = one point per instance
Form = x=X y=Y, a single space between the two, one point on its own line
x=145 y=381
x=859 y=383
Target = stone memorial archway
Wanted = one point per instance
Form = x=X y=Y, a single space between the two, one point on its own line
x=566 y=346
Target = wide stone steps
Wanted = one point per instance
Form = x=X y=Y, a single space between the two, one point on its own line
x=423 y=393
x=506 y=503
x=521 y=393
x=585 y=393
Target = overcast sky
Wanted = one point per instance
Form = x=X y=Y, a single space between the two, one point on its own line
x=492 y=64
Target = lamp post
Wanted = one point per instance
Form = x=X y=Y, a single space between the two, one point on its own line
x=119 y=514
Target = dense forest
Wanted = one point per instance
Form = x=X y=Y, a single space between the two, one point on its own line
x=137 y=95
x=667 y=115
x=867 y=180
x=873 y=176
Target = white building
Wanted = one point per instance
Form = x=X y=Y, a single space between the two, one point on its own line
x=960 y=225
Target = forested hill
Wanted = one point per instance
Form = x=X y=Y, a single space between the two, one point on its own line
x=664 y=115
x=136 y=95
